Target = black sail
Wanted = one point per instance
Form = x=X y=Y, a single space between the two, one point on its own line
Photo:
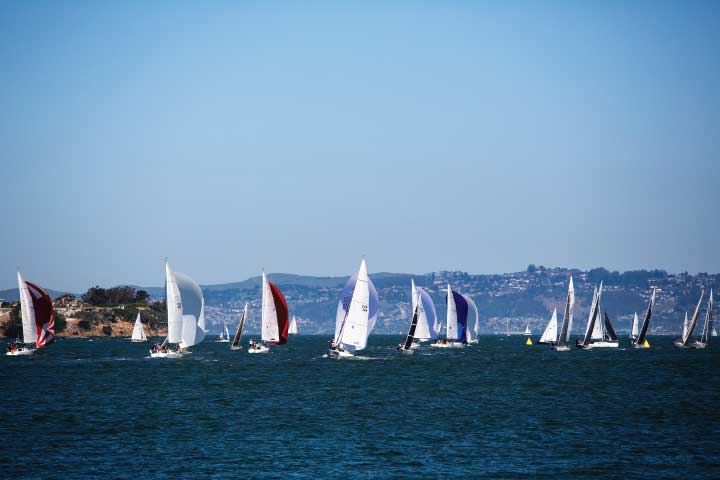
x=238 y=333
x=593 y=317
x=646 y=322
x=562 y=336
x=413 y=325
x=609 y=330
x=693 y=322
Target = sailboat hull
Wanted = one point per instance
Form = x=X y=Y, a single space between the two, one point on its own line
x=165 y=355
x=21 y=352
x=699 y=345
x=447 y=345
x=560 y=348
x=236 y=347
x=406 y=351
x=600 y=345
x=258 y=349
x=679 y=343
x=139 y=341
x=338 y=354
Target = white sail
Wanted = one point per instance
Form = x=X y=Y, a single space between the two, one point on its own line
x=685 y=325
x=550 y=333
x=293 y=329
x=451 y=318
x=571 y=298
x=227 y=334
x=527 y=330
x=353 y=331
x=635 y=326
x=269 y=320
x=599 y=326
x=472 y=330
x=28 y=312
x=174 y=306
x=138 y=334
x=193 y=311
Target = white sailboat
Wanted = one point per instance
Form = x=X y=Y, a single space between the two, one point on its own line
x=561 y=344
x=293 y=329
x=635 y=327
x=603 y=334
x=38 y=319
x=357 y=312
x=550 y=334
x=455 y=321
x=274 y=319
x=427 y=323
x=138 y=333
x=527 y=330
x=684 y=342
x=235 y=345
x=224 y=336
x=186 y=315
x=704 y=339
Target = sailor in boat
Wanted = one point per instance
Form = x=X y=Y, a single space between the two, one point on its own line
x=12 y=346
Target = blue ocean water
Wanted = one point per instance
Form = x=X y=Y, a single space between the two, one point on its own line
x=100 y=409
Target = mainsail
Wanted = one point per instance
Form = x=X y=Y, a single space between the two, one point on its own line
x=174 y=306
x=427 y=325
x=685 y=325
x=357 y=311
x=609 y=330
x=594 y=310
x=38 y=314
x=646 y=321
x=192 y=311
x=292 y=329
x=566 y=327
x=138 y=333
x=457 y=312
x=472 y=326
x=693 y=321
x=597 y=333
x=238 y=332
x=550 y=333
x=274 y=314
x=635 y=326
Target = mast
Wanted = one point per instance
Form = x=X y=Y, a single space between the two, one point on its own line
x=646 y=322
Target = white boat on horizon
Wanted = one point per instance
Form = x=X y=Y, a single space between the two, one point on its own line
x=138 y=333
x=293 y=328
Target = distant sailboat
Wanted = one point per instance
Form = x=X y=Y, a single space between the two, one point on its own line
x=592 y=319
x=527 y=330
x=138 y=333
x=407 y=345
x=427 y=324
x=641 y=340
x=293 y=328
x=560 y=344
x=235 y=345
x=603 y=335
x=550 y=333
x=224 y=336
x=274 y=318
x=456 y=321
x=473 y=327
x=357 y=312
x=684 y=342
x=186 y=315
x=635 y=327
x=704 y=339
x=38 y=319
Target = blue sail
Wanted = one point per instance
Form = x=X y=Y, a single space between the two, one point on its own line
x=461 y=306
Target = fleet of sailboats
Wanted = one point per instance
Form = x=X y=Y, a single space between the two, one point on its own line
x=138 y=333
x=38 y=319
x=357 y=312
x=274 y=319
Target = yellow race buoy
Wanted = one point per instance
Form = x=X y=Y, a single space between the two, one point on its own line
x=646 y=344
x=528 y=341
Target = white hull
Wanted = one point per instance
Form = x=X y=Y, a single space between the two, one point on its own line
x=558 y=348
x=408 y=351
x=337 y=354
x=679 y=344
x=236 y=347
x=258 y=349
x=447 y=345
x=472 y=342
x=139 y=341
x=165 y=355
x=222 y=341
x=699 y=345
x=21 y=352
x=602 y=345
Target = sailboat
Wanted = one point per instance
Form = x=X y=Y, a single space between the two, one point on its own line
x=473 y=328
x=456 y=321
x=635 y=327
x=224 y=335
x=407 y=346
x=357 y=312
x=274 y=319
x=641 y=341
x=186 y=315
x=685 y=325
x=684 y=342
x=527 y=330
x=550 y=333
x=560 y=344
x=138 y=333
x=592 y=320
x=293 y=329
x=38 y=319
x=603 y=333
x=427 y=323
x=235 y=345
x=704 y=339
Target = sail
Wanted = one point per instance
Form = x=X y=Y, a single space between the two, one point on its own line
x=38 y=314
x=174 y=306
x=472 y=325
x=597 y=333
x=226 y=334
x=646 y=321
x=550 y=333
x=357 y=311
x=427 y=317
x=137 y=333
x=593 y=316
x=193 y=311
x=693 y=321
x=292 y=329
x=527 y=330
x=238 y=332
x=635 y=326
x=609 y=330
x=685 y=326
x=281 y=311
x=413 y=325
x=566 y=327
x=707 y=327
x=457 y=313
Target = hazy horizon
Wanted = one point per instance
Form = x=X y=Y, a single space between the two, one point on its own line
x=296 y=138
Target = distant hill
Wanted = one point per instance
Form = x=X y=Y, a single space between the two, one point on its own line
x=13 y=294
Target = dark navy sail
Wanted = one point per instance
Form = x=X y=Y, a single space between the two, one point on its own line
x=462 y=308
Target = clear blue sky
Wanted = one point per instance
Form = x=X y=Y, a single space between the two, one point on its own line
x=232 y=136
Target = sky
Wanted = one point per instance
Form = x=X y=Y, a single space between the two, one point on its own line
x=296 y=137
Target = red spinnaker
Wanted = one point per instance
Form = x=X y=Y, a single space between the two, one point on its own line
x=44 y=315
x=282 y=313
